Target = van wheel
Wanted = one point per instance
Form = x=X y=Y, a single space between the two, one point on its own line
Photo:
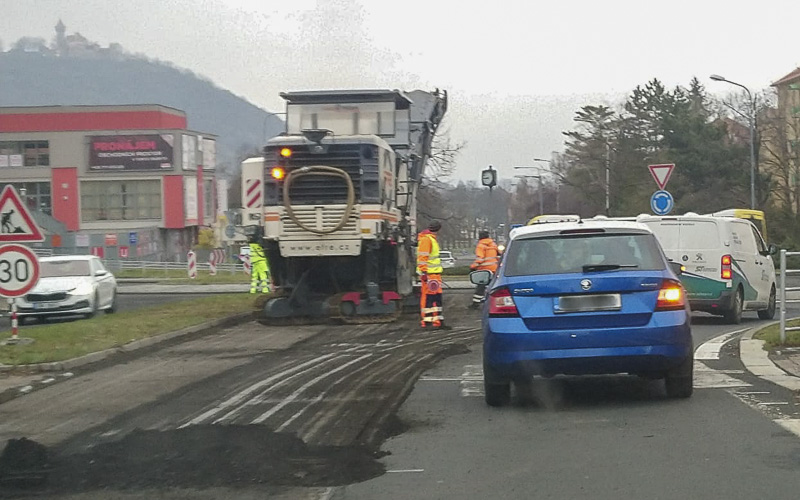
x=734 y=314
x=769 y=312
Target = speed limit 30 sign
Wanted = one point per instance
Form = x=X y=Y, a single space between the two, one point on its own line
x=19 y=270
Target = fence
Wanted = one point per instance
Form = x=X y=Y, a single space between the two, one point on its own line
x=783 y=291
x=144 y=266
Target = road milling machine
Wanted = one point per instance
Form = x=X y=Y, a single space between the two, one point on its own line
x=333 y=201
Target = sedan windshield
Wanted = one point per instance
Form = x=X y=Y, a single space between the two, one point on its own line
x=63 y=268
x=584 y=253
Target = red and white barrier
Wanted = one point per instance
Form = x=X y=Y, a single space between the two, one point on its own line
x=14 y=322
x=212 y=266
x=246 y=262
x=191 y=260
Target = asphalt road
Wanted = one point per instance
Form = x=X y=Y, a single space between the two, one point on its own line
x=391 y=411
x=595 y=438
x=126 y=303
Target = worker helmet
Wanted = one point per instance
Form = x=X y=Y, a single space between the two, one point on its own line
x=435 y=226
x=483 y=234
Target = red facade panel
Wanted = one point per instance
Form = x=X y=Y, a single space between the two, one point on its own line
x=65 y=197
x=173 y=201
x=102 y=120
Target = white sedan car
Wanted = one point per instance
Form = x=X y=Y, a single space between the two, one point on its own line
x=70 y=285
x=447 y=259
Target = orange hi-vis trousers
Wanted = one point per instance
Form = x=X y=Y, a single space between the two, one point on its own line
x=431 y=301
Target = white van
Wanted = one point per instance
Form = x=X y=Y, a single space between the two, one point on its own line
x=728 y=267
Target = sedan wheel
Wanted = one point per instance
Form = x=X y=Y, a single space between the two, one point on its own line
x=95 y=304
x=113 y=307
x=679 y=381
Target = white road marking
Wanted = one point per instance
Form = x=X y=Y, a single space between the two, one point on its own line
x=751 y=393
x=244 y=394
x=708 y=378
x=296 y=394
x=790 y=424
x=771 y=403
x=472 y=381
x=711 y=348
x=405 y=471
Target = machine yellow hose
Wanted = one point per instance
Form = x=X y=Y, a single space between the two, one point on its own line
x=323 y=171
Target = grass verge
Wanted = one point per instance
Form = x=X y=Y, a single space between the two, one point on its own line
x=70 y=339
x=771 y=335
x=456 y=271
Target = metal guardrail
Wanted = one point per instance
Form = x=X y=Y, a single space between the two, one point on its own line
x=143 y=265
x=783 y=291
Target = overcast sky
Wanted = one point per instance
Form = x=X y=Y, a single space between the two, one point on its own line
x=516 y=71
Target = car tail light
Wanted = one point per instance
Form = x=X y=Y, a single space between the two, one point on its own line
x=725 y=269
x=670 y=296
x=501 y=303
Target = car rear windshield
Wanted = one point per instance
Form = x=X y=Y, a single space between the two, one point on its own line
x=571 y=253
x=63 y=268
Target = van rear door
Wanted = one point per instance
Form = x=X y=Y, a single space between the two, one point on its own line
x=698 y=245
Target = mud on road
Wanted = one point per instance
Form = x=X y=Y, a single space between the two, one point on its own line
x=312 y=415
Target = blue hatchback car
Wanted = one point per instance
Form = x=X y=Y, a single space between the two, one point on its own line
x=586 y=297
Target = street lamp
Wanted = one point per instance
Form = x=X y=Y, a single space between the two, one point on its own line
x=538 y=176
x=558 y=184
x=752 y=121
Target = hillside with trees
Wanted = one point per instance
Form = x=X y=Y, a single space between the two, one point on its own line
x=72 y=70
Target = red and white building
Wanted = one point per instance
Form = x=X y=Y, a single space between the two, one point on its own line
x=122 y=181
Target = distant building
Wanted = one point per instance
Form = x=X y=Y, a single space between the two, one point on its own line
x=100 y=178
x=779 y=154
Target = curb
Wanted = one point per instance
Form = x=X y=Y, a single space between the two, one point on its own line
x=756 y=361
x=68 y=364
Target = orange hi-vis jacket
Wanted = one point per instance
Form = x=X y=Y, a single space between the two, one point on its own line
x=486 y=255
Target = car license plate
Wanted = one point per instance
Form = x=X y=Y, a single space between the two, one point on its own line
x=586 y=303
x=44 y=305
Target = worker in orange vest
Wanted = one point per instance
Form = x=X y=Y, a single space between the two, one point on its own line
x=429 y=268
x=486 y=258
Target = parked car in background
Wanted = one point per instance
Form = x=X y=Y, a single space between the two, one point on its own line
x=587 y=297
x=70 y=285
x=447 y=259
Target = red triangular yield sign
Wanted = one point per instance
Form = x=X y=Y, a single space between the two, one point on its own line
x=661 y=173
x=16 y=223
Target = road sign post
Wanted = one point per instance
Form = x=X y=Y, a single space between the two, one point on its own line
x=662 y=202
x=19 y=273
x=16 y=223
x=661 y=174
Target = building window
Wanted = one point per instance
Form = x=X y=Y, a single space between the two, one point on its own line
x=120 y=200
x=24 y=154
x=208 y=199
x=36 y=195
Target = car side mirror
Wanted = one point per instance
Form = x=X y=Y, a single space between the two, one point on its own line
x=482 y=277
x=676 y=267
x=101 y=272
x=772 y=249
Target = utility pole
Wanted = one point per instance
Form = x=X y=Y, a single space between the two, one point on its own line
x=608 y=177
